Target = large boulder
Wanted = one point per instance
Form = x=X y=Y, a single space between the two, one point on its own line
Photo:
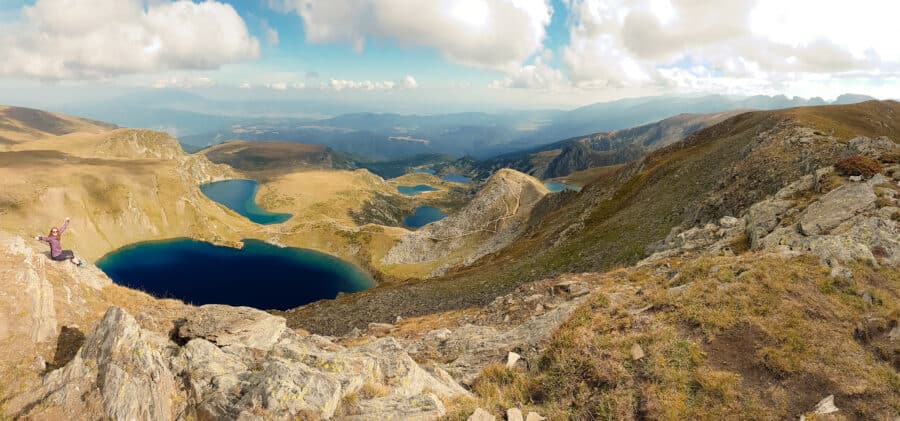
x=837 y=206
x=763 y=217
x=227 y=326
x=237 y=363
x=121 y=373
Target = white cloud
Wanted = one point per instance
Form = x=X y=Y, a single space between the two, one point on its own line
x=278 y=86
x=683 y=43
x=271 y=33
x=245 y=85
x=532 y=76
x=408 y=82
x=496 y=34
x=91 y=39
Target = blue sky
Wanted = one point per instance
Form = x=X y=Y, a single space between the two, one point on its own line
x=498 y=53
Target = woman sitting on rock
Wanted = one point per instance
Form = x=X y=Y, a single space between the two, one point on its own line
x=56 y=251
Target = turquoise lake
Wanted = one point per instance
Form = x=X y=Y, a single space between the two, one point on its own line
x=555 y=186
x=457 y=178
x=414 y=190
x=260 y=275
x=422 y=216
x=240 y=196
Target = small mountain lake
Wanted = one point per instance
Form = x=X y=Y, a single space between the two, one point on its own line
x=414 y=190
x=240 y=196
x=457 y=178
x=260 y=275
x=422 y=216
x=555 y=186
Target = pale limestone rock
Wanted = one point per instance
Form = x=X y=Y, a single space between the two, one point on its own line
x=214 y=377
x=240 y=326
x=825 y=406
x=421 y=407
x=571 y=288
x=511 y=359
x=763 y=217
x=481 y=415
x=514 y=414
x=125 y=365
x=397 y=370
x=637 y=352
x=534 y=416
x=285 y=388
x=728 y=221
x=836 y=207
x=380 y=329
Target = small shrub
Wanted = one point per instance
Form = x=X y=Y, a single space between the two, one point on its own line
x=858 y=165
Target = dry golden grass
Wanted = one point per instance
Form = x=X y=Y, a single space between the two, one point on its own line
x=753 y=337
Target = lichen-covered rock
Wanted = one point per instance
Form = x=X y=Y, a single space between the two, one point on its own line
x=836 y=207
x=123 y=368
x=233 y=326
x=421 y=407
x=763 y=217
x=230 y=368
x=284 y=388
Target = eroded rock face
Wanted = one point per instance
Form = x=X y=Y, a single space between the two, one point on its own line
x=121 y=366
x=238 y=363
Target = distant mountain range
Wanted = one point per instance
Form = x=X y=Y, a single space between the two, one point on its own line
x=198 y=122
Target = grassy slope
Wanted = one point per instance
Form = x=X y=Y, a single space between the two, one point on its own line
x=753 y=337
x=624 y=213
x=272 y=158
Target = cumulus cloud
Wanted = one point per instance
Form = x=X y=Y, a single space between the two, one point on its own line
x=278 y=86
x=532 y=76
x=408 y=82
x=90 y=39
x=626 y=43
x=496 y=34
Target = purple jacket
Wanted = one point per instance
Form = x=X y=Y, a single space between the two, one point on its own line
x=55 y=247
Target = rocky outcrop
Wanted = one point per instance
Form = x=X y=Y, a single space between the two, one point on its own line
x=855 y=221
x=494 y=218
x=238 y=363
x=511 y=330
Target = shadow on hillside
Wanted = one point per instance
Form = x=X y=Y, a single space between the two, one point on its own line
x=67 y=345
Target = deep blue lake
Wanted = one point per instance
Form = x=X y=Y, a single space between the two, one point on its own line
x=456 y=178
x=260 y=275
x=240 y=196
x=423 y=215
x=555 y=186
x=414 y=190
